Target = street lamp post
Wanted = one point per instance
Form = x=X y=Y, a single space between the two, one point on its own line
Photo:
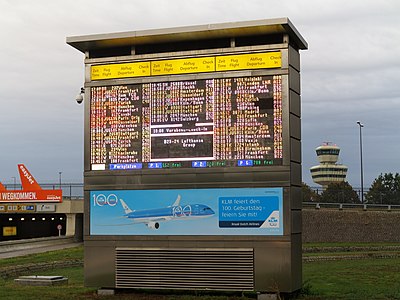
x=59 y=174
x=361 y=163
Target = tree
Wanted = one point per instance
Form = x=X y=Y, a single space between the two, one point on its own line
x=308 y=194
x=340 y=192
x=385 y=189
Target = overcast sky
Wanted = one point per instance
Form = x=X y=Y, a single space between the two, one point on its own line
x=350 y=72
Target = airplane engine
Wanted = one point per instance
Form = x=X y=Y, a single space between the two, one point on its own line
x=153 y=225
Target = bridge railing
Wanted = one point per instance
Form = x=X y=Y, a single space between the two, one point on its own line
x=343 y=196
x=341 y=206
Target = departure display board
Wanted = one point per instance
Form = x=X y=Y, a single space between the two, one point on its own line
x=248 y=61
x=205 y=123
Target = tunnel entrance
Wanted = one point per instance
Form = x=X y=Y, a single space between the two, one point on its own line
x=26 y=226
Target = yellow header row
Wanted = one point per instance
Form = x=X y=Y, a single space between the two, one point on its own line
x=264 y=60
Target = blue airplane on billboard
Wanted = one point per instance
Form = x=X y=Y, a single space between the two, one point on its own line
x=153 y=217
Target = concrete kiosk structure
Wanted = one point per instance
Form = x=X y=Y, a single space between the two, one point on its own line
x=193 y=157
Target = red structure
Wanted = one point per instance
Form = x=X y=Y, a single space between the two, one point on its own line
x=30 y=192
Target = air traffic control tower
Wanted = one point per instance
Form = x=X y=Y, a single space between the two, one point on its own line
x=192 y=157
x=328 y=171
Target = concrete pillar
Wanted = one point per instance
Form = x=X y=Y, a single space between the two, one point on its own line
x=70 y=230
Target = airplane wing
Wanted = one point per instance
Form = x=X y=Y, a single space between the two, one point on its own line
x=152 y=219
x=123 y=224
x=138 y=221
x=152 y=223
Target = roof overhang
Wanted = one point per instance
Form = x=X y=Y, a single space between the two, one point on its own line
x=210 y=31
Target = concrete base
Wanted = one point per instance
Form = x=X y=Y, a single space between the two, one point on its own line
x=41 y=280
x=105 y=292
x=267 y=297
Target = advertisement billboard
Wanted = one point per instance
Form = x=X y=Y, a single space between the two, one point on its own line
x=228 y=211
x=31 y=191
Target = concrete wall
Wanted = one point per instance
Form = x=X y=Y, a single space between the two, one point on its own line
x=73 y=209
x=350 y=225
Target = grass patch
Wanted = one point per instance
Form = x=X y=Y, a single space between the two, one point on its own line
x=74 y=290
x=323 y=245
x=349 y=253
x=64 y=254
x=353 y=279
x=323 y=280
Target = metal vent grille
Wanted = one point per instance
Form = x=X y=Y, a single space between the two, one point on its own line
x=212 y=269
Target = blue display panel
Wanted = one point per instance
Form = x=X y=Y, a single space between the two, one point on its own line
x=231 y=211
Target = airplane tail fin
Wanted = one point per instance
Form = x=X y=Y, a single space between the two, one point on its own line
x=177 y=201
x=2 y=187
x=27 y=180
x=125 y=207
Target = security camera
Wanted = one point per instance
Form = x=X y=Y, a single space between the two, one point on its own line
x=79 y=97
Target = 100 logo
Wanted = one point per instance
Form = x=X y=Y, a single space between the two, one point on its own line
x=101 y=200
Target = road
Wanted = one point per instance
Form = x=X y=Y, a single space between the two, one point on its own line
x=10 y=249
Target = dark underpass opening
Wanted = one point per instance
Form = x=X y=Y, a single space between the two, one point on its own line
x=26 y=226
